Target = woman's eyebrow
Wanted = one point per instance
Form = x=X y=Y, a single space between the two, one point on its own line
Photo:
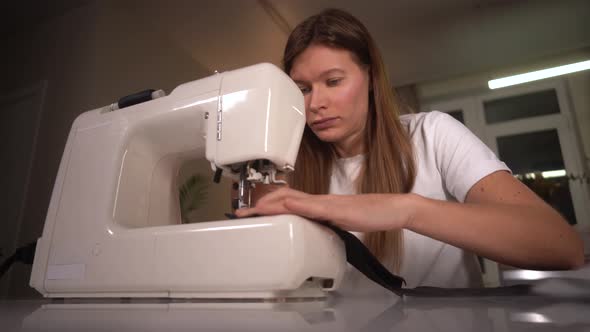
x=331 y=71
x=323 y=74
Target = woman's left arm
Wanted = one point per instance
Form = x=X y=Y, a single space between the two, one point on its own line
x=503 y=220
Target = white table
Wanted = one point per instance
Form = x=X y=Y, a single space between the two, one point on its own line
x=345 y=313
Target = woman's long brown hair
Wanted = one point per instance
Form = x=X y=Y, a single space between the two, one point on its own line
x=389 y=165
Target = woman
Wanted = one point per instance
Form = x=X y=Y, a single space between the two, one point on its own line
x=422 y=191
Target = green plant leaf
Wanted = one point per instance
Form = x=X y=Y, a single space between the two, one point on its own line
x=192 y=195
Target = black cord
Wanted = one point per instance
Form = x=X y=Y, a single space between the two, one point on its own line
x=6 y=265
x=24 y=254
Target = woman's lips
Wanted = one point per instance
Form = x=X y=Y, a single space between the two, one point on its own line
x=324 y=123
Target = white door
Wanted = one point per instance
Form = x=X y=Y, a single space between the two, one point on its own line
x=463 y=110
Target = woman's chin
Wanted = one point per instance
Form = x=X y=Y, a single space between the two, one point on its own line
x=328 y=136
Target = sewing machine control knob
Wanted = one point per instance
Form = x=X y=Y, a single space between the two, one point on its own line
x=134 y=99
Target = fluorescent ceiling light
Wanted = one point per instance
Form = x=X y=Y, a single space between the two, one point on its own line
x=545 y=175
x=554 y=174
x=539 y=74
x=530 y=317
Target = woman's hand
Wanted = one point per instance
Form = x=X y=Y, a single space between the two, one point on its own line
x=362 y=213
x=256 y=193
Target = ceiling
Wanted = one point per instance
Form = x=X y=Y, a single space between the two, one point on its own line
x=421 y=40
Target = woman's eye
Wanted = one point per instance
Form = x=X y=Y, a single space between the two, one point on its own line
x=304 y=89
x=334 y=81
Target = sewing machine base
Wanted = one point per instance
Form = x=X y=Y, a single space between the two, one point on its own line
x=311 y=290
x=264 y=257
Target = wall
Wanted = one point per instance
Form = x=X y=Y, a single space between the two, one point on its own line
x=89 y=56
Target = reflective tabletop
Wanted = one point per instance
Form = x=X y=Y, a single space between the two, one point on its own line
x=336 y=313
x=558 y=301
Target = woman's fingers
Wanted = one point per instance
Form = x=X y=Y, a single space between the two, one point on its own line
x=290 y=201
x=279 y=195
x=272 y=203
x=347 y=212
x=245 y=212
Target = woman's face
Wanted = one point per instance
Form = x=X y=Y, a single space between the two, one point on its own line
x=336 y=91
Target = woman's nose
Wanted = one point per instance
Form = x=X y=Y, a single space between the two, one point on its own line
x=317 y=100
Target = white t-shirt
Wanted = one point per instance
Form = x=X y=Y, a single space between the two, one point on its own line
x=450 y=160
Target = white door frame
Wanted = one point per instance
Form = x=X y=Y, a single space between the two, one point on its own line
x=566 y=131
x=474 y=119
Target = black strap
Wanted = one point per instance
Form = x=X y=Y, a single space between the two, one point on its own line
x=359 y=256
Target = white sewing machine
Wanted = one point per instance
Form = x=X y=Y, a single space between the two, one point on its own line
x=113 y=226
